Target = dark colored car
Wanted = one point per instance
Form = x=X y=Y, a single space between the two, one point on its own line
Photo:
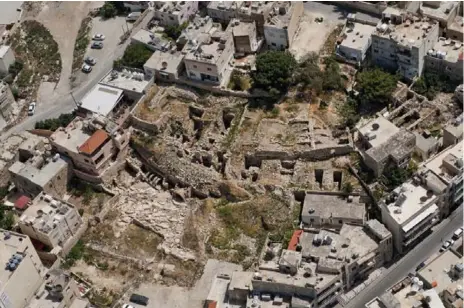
x=139 y=299
x=97 y=45
x=420 y=266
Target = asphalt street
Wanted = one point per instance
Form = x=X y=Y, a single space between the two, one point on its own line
x=65 y=103
x=410 y=261
x=335 y=12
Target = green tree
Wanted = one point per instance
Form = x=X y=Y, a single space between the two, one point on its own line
x=309 y=75
x=53 y=124
x=349 y=113
x=118 y=6
x=135 y=56
x=108 y=10
x=6 y=218
x=431 y=84
x=332 y=79
x=174 y=32
x=375 y=87
x=274 y=70
x=347 y=188
x=394 y=176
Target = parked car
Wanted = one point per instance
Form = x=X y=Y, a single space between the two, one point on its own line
x=97 y=45
x=445 y=246
x=139 y=299
x=133 y=16
x=457 y=234
x=31 y=109
x=90 y=60
x=420 y=266
x=98 y=37
x=127 y=306
x=86 y=68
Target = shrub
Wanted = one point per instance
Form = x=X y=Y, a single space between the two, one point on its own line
x=53 y=124
x=135 y=56
x=375 y=87
x=108 y=10
x=274 y=70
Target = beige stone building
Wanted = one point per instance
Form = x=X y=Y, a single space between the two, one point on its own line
x=282 y=24
x=446 y=59
x=175 y=13
x=442 y=11
x=92 y=144
x=7 y=58
x=50 y=221
x=207 y=58
x=223 y=11
x=455 y=30
x=256 y=11
x=244 y=35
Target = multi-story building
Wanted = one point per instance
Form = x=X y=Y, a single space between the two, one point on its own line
x=207 y=58
x=223 y=11
x=6 y=101
x=452 y=133
x=244 y=35
x=282 y=24
x=92 y=144
x=7 y=58
x=137 y=6
x=256 y=11
x=453 y=295
x=50 y=221
x=176 y=13
x=401 y=42
x=41 y=174
x=332 y=211
x=446 y=59
x=442 y=11
x=383 y=143
x=356 y=41
x=164 y=66
x=21 y=273
x=198 y=26
x=409 y=212
x=455 y=30
x=151 y=40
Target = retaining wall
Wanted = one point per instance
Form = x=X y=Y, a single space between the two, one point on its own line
x=363 y=6
x=74 y=239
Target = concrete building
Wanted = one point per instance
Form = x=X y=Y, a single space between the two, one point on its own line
x=92 y=144
x=100 y=100
x=6 y=101
x=356 y=42
x=7 y=58
x=383 y=143
x=455 y=30
x=137 y=6
x=445 y=270
x=401 y=42
x=133 y=82
x=355 y=251
x=452 y=133
x=442 y=174
x=409 y=212
x=244 y=35
x=453 y=295
x=198 y=26
x=208 y=58
x=164 y=66
x=41 y=174
x=151 y=40
x=446 y=59
x=256 y=11
x=50 y=221
x=442 y=11
x=282 y=24
x=23 y=273
x=332 y=211
x=176 y=13
x=223 y=11
x=426 y=144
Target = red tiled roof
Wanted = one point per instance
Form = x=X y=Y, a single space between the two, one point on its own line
x=295 y=239
x=21 y=202
x=96 y=140
x=212 y=304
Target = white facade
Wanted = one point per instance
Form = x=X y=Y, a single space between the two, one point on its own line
x=176 y=13
x=282 y=24
x=400 y=43
x=7 y=58
x=356 y=42
x=50 y=221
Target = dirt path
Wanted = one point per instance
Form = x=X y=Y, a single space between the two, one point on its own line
x=63 y=19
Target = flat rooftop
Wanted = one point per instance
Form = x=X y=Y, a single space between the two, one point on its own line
x=408 y=34
x=436 y=163
x=126 y=80
x=441 y=12
x=333 y=206
x=416 y=203
x=16 y=243
x=378 y=229
x=457 y=25
x=101 y=99
x=255 y=7
x=224 y=5
x=439 y=270
x=357 y=36
x=45 y=299
x=386 y=300
x=197 y=26
x=241 y=28
x=453 y=49
x=165 y=61
x=209 y=51
x=150 y=38
x=40 y=176
x=398 y=146
x=10 y=11
x=71 y=137
x=281 y=15
x=410 y=298
x=352 y=240
x=218 y=289
x=455 y=128
x=381 y=128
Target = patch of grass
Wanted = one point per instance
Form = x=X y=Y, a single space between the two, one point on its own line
x=82 y=41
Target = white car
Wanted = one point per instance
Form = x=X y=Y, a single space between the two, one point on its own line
x=31 y=109
x=98 y=37
x=127 y=306
x=445 y=246
x=86 y=68
x=457 y=234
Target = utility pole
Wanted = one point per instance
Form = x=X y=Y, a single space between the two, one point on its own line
x=74 y=100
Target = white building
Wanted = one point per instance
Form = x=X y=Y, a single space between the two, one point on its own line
x=21 y=273
x=153 y=41
x=401 y=42
x=409 y=212
x=223 y=11
x=356 y=41
x=282 y=24
x=176 y=13
x=50 y=221
x=244 y=35
x=7 y=58
x=442 y=11
x=446 y=59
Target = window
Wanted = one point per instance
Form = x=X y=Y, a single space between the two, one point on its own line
x=376 y=50
x=194 y=66
x=87 y=161
x=209 y=68
x=273 y=44
x=311 y=219
x=100 y=158
x=340 y=221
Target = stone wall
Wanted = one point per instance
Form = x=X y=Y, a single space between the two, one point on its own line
x=363 y=6
x=88 y=177
x=106 y=208
x=74 y=239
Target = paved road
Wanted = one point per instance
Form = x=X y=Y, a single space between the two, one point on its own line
x=65 y=103
x=408 y=263
x=335 y=12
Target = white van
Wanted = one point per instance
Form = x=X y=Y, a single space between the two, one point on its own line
x=457 y=234
x=133 y=16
